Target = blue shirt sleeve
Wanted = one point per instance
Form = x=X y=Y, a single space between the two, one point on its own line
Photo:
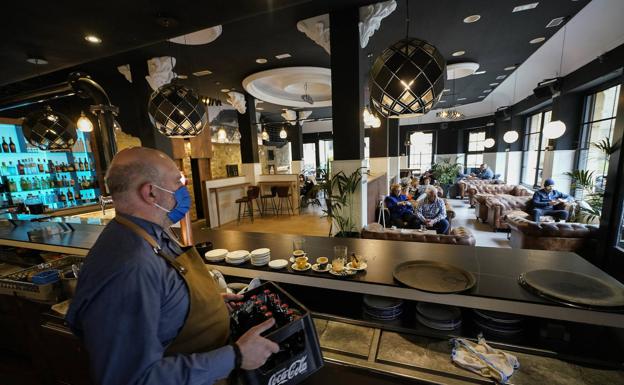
x=540 y=200
x=120 y=331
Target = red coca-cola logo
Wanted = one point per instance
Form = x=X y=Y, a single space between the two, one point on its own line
x=298 y=367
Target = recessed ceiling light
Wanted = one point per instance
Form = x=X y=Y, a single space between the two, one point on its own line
x=479 y=72
x=202 y=73
x=510 y=68
x=472 y=18
x=525 y=7
x=37 y=60
x=261 y=60
x=259 y=109
x=182 y=76
x=461 y=98
x=225 y=90
x=555 y=22
x=283 y=56
x=446 y=90
x=481 y=96
x=494 y=84
x=501 y=77
x=93 y=39
x=537 y=40
x=458 y=53
x=486 y=91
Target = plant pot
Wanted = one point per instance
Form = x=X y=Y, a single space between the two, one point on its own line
x=347 y=234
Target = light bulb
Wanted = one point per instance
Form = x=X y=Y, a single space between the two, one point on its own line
x=283 y=134
x=510 y=136
x=265 y=135
x=221 y=135
x=554 y=129
x=489 y=143
x=84 y=124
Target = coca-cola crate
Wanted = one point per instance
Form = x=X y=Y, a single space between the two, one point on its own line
x=300 y=353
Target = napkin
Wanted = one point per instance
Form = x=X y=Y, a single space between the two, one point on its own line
x=483 y=359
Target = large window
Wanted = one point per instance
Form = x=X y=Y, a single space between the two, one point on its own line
x=534 y=145
x=309 y=158
x=421 y=150
x=474 y=157
x=598 y=121
x=326 y=153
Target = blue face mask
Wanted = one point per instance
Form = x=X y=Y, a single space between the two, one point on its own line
x=183 y=203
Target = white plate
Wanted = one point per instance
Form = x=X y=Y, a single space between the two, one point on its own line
x=362 y=266
x=260 y=252
x=260 y=264
x=315 y=267
x=235 y=261
x=258 y=260
x=278 y=264
x=215 y=259
x=294 y=267
x=344 y=273
x=238 y=254
x=216 y=253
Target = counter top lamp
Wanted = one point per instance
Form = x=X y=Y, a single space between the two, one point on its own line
x=49 y=130
x=407 y=79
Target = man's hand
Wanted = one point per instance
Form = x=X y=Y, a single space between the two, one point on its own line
x=227 y=297
x=428 y=222
x=254 y=348
x=553 y=202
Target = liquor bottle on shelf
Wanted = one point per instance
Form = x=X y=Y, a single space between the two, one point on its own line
x=80 y=165
x=57 y=167
x=77 y=196
x=70 y=195
x=51 y=168
x=5 y=145
x=70 y=167
x=76 y=165
x=62 y=197
x=72 y=182
x=5 y=169
x=12 y=185
x=24 y=184
x=12 y=169
x=20 y=168
x=12 y=145
x=40 y=166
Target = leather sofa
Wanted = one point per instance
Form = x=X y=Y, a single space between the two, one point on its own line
x=457 y=236
x=577 y=237
x=481 y=210
x=495 y=189
x=502 y=206
x=463 y=184
x=450 y=213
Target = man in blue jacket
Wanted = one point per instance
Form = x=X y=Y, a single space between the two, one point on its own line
x=484 y=172
x=549 y=201
x=400 y=208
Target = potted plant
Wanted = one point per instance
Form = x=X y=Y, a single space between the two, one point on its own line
x=590 y=207
x=445 y=173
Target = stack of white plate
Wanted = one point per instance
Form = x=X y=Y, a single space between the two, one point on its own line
x=260 y=257
x=237 y=257
x=216 y=255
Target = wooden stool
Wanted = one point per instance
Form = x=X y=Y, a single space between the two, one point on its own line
x=267 y=199
x=283 y=193
x=252 y=195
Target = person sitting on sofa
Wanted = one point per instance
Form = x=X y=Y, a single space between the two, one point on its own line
x=427 y=174
x=484 y=172
x=548 y=201
x=431 y=212
x=422 y=189
x=401 y=210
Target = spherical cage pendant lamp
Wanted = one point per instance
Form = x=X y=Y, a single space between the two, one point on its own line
x=49 y=130
x=177 y=111
x=511 y=136
x=554 y=129
x=407 y=78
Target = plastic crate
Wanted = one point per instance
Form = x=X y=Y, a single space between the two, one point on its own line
x=291 y=365
x=17 y=284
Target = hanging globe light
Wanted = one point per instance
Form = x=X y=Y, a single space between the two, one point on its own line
x=84 y=124
x=265 y=135
x=177 y=112
x=407 y=78
x=510 y=136
x=554 y=129
x=283 y=133
x=221 y=135
x=49 y=130
x=489 y=143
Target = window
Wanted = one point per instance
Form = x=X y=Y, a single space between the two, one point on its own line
x=309 y=158
x=421 y=150
x=598 y=121
x=326 y=153
x=534 y=145
x=474 y=157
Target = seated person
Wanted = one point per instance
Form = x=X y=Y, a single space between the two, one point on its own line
x=413 y=187
x=432 y=213
x=400 y=208
x=548 y=201
x=427 y=174
x=484 y=172
x=405 y=192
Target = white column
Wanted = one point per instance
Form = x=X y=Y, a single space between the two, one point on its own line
x=251 y=172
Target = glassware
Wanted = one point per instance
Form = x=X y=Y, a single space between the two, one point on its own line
x=340 y=251
x=338 y=264
x=298 y=244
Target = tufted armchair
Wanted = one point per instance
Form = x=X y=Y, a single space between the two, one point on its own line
x=501 y=206
x=577 y=237
x=457 y=236
x=481 y=210
x=495 y=189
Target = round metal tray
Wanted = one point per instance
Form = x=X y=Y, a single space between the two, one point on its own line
x=573 y=289
x=434 y=277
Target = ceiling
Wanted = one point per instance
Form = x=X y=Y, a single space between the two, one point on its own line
x=264 y=29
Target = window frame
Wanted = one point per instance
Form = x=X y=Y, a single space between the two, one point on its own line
x=540 y=150
x=480 y=130
x=433 y=148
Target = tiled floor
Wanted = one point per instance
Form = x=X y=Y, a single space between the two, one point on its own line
x=484 y=235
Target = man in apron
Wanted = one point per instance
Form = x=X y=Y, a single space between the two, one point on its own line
x=146 y=309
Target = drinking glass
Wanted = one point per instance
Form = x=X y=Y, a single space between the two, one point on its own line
x=299 y=244
x=338 y=264
x=340 y=251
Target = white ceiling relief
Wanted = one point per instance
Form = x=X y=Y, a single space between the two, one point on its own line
x=286 y=86
x=460 y=70
x=317 y=29
x=203 y=36
x=371 y=17
x=237 y=100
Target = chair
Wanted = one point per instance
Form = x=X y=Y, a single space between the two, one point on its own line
x=268 y=202
x=283 y=194
x=252 y=195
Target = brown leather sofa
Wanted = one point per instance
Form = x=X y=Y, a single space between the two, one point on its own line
x=577 y=237
x=465 y=183
x=502 y=206
x=495 y=189
x=481 y=210
x=450 y=213
x=457 y=236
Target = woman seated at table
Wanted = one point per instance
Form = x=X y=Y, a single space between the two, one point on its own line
x=431 y=212
x=401 y=209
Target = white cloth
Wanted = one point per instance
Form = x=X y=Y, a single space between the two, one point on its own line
x=484 y=360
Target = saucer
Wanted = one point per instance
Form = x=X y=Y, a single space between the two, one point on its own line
x=294 y=267
x=278 y=264
x=343 y=273
x=362 y=266
x=315 y=267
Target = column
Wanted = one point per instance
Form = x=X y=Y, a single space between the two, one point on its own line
x=394 y=151
x=249 y=141
x=348 y=66
x=295 y=136
x=384 y=140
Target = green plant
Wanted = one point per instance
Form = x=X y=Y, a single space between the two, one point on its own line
x=339 y=190
x=605 y=147
x=590 y=208
x=445 y=172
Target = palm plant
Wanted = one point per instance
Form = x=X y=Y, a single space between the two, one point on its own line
x=339 y=192
x=590 y=208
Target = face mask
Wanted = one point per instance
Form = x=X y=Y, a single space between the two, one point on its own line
x=183 y=203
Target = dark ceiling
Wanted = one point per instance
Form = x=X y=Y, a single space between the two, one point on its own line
x=253 y=29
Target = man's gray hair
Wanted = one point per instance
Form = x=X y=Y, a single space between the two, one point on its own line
x=121 y=178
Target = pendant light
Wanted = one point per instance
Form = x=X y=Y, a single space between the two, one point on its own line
x=283 y=134
x=489 y=143
x=510 y=136
x=407 y=79
x=49 y=130
x=556 y=128
x=84 y=124
x=221 y=135
x=265 y=134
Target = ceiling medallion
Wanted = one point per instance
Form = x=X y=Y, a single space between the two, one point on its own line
x=407 y=78
x=450 y=114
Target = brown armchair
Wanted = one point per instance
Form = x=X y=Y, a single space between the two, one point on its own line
x=457 y=236
x=502 y=206
x=481 y=210
x=577 y=237
x=495 y=189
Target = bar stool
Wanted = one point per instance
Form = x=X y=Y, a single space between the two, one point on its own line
x=252 y=195
x=268 y=202
x=283 y=193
